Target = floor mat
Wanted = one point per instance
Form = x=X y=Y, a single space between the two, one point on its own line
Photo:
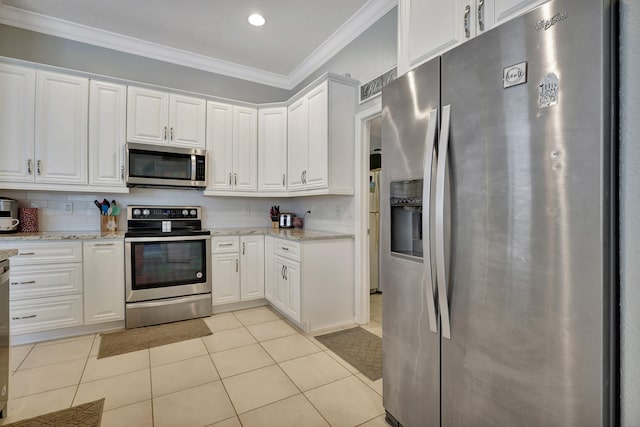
x=359 y=347
x=85 y=415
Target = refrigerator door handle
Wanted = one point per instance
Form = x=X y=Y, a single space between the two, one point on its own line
x=428 y=277
x=441 y=175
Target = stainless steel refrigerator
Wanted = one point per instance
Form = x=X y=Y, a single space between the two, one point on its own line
x=497 y=228
x=374 y=230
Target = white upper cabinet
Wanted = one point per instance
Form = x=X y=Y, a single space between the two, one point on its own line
x=156 y=117
x=62 y=103
x=245 y=149
x=427 y=28
x=233 y=147
x=272 y=149
x=320 y=140
x=17 y=109
x=107 y=133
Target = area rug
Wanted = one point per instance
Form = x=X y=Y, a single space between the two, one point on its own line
x=129 y=340
x=85 y=415
x=359 y=347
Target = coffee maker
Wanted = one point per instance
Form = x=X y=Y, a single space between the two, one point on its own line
x=9 y=215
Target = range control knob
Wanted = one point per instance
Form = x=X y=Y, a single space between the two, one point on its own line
x=136 y=212
x=146 y=212
x=193 y=213
x=185 y=212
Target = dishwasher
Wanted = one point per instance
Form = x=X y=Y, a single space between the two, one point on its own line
x=4 y=337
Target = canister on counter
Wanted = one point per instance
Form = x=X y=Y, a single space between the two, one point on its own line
x=28 y=220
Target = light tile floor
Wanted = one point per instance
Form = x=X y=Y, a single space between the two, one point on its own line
x=255 y=370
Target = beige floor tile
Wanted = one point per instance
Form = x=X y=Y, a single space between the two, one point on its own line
x=197 y=406
x=374 y=327
x=347 y=402
x=231 y=422
x=376 y=422
x=376 y=298
x=121 y=390
x=222 y=322
x=25 y=382
x=66 y=340
x=377 y=319
x=242 y=359
x=270 y=330
x=115 y=365
x=374 y=385
x=256 y=315
x=181 y=375
x=96 y=346
x=314 y=370
x=341 y=361
x=42 y=355
x=294 y=411
x=226 y=340
x=177 y=351
x=375 y=310
x=18 y=354
x=258 y=388
x=286 y=348
x=136 y=415
x=39 y=404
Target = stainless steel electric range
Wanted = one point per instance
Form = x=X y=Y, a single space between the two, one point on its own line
x=167 y=263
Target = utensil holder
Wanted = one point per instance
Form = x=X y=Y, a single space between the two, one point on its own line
x=275 y=224
x=108 y=224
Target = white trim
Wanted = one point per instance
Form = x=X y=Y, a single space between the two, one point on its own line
x=362 y=211
x=366 y=16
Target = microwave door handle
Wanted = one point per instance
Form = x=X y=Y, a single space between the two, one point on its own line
x=193 y=167
x=428 y=277
x=443 y=149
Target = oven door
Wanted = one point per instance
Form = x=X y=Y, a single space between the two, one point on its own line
x=165 y=267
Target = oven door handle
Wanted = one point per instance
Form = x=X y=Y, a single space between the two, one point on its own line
x=167 y=238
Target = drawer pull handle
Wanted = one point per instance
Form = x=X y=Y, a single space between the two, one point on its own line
x=26 y=253
x=30 y=282
x=33 y=316
x=285 y=248
x=103 y=244
x=226 y=244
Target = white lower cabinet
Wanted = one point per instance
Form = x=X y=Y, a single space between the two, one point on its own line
x=43 y=314
x=238 y=269
x=103 y=281
x=287 y=289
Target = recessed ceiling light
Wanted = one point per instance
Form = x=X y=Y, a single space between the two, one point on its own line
x=257 y=20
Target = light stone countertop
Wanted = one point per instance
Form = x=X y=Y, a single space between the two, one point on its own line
x=7 y=253
x=61 y=235
x=298 y=234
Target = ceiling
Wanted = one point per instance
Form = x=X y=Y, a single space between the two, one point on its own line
x=213 y=35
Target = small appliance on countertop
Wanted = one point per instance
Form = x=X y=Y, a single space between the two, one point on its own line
x=286 y=219
x=8 y=215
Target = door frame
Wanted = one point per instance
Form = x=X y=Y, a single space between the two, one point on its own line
x=362 y=210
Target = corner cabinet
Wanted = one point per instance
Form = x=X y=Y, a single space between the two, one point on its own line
x=272 y=149
x=320 y=137
x=162 y=118
x=103 y=281
x=233 y=147
x=107 y=133
x=427 y=28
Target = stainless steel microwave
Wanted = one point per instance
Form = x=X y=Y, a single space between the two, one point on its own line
x=158 y=166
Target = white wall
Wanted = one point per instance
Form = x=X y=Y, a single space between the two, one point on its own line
x=328 y=212
x=630 y=210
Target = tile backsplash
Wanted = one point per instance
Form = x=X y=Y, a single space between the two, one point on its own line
x=333 y=213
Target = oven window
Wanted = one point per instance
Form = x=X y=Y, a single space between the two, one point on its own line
x=158 y=165
x=162 y=264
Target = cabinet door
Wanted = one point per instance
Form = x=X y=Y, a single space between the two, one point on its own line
x=186 y=121
x=317 y=172
x=225 y=278
x=245 y=149
x=147 y=116
x=427 y=28
x=220 y=145
x=298 y=143
x=272 y=149
x=252 y=266
x=107 y=133
x=62 y=110
x=18 y=89
x=281 y=291
x=269 y=270
x=103 y=281
x=292 y=277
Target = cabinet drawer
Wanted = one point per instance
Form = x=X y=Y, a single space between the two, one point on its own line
x=287 y=249
x=46 y=253
x=225 y=244
x=42 y=314
x=36 y=281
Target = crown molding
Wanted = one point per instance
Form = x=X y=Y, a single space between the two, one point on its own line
x=366 y=16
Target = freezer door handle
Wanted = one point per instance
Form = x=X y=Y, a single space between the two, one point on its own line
x=441 y=175
x=428 y=277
